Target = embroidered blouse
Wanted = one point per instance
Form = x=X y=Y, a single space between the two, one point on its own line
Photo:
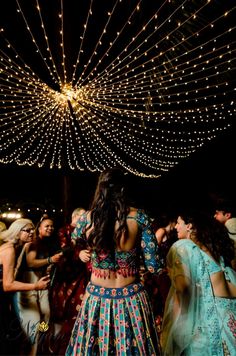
x=125 y=263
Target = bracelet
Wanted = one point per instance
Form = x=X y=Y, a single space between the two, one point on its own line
x=49 y=260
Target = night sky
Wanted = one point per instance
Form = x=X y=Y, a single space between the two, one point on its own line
x=195 y=180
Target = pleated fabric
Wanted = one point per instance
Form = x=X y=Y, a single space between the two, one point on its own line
x=114 y=321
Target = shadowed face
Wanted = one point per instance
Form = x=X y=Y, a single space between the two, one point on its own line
x=221 y=216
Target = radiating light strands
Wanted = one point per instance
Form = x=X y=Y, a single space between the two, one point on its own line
x=87 y=85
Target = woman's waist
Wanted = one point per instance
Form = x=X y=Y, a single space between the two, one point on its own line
x=114 y=292
x=113 y=281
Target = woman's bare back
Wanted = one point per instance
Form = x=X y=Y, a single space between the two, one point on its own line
x=221 y=287
x=127 y=243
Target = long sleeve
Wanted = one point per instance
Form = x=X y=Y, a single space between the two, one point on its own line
x=149 y=244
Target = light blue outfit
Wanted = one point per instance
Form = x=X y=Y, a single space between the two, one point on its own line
x=205 y=325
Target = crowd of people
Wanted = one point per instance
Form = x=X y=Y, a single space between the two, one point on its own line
x=113 y=283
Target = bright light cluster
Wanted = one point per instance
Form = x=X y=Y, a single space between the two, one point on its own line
x=88 y=85
x=11 y=215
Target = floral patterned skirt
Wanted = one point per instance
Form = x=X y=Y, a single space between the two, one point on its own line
x=226 y=309
x=114 y=321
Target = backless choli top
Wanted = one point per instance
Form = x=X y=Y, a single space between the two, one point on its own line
x=125 y=263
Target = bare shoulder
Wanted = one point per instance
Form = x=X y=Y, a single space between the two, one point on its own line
x=28 y=245
x=160 y=232
x=7 y=246
x=131 y=222
x=31 y=246
x=160 y=235
x=7 y=251
x=132 y=211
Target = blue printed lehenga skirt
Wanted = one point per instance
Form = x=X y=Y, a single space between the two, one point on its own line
x=114 y=321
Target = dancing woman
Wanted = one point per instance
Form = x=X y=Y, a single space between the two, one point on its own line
x=115 y=317
x=200 y=310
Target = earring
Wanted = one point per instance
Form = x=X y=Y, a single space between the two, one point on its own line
x=189 y=233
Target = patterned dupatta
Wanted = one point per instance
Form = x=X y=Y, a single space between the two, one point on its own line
x=191 y=323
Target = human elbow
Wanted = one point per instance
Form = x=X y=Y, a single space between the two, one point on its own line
x=8 y=287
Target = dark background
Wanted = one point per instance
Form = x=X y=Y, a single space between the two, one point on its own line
x=197 y=181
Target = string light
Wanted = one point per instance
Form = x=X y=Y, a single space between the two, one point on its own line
x=142 y=86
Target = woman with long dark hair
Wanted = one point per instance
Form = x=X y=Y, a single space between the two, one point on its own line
x=200 y=311
x=115 y=317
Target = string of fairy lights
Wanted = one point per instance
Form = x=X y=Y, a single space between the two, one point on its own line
x=140 y=85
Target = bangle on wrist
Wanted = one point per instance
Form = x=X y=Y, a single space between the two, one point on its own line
x=49 y=260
